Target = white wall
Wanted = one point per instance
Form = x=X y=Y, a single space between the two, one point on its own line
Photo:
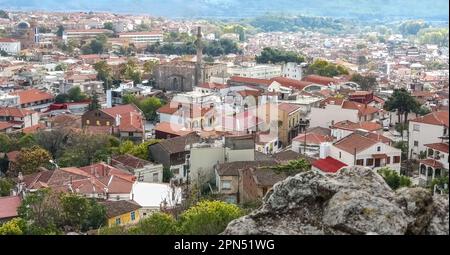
x=427 y=134
x=323 y=117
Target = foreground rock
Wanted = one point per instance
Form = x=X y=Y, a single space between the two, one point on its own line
x=354 y=201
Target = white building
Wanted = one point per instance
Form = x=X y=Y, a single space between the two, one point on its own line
x=436 y=163
x=8 y=100
x=9 y=45
x=431 y=128
x=292 y=70
x=77 y=34
x=153 y=196
x=142 y=37
x=366 y=150
x=252 y=70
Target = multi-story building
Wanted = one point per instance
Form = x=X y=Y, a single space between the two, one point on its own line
x=8 y=100
x=34 y=99
x=292 y=70
x=19 y=118
x=431 y=128
x=77 y=34
x=142 y=38
x=289 y=117
x=9 y=45
x=255 y=71
x=436 y=163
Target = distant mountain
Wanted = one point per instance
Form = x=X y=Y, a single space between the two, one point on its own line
x=361 y=9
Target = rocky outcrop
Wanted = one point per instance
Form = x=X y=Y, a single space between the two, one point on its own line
x=353 y=201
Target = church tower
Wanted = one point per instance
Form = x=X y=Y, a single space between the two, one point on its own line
x=198 y=65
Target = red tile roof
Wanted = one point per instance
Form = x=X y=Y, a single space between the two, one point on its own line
x=332 y=101
x=313 y=138
x=323 y=80
x=363 y=109
x=213 y=85
x=33 y=95
x=291 y=83
x=247 y=80
x=8 y=40
x=33 y=129
x=328 y=165
x=171 y=128
x=131 y=117
x=435 y=118
x=285 y=107
x=365 y=125
x=9 y=206
x=15 y=112
x=354 y=142
x=443 y=147
x=5 y=125
x=432 y=162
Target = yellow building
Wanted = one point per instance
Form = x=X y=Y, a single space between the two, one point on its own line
x=122 y=212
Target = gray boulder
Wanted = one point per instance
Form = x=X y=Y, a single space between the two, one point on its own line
x=355 y=200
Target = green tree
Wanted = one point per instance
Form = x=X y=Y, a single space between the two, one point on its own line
x=30 y=159
x=61 y=67
x=104 y=73
x=95 y=104
x=5 y=143
x=441 y=183
x=15 y=226
x=42 y=210
x=324 y=68
x=157 y=224
x=208 y=218
x=27 y=140
x=3 y=53
x=412 y=27
x=3 y=15
x=270 y=55
x=293 y=167
x=131 y=71
x=82 y=213
x=149 y=66
x=108 y=25
x=62 y=98
x=366 y=83
x=60 y=31
x=5 y=187
x=403 y=103
x=167 y=174
x=76 y=95
x=149 y=106
x=393 y=179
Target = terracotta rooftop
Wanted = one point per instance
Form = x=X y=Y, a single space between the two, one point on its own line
x=5 y=125
x=291 y=83
x=9 y=206
x=312 y=138
x=322 y=80
x=365 y=125
x=443 y=147
x=251 y=81
x=289 y=108
x=432 y=162
x=435 y=118
x=354 y=142
x=15 y=112
x=171 y=128
x=117 y=208
x=32 y=96
x=329 y=165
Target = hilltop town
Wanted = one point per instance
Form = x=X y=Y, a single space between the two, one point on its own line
x=146 y=125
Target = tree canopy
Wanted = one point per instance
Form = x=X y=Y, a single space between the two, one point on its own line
x=393 y=179
x=403 y=102
x=365 y=82
x=325 y=68
x=270 y=55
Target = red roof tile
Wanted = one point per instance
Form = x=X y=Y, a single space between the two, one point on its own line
x=443 y=147
x=288 y=107
x=291 y=83
x=9 y=206
x=432 y=162
x=313 y=138
x=435 y=118
x=252 y=81
x=329 y=165
x=33 y=95
x=320 y=79
x=15 y=112
x=365 y=125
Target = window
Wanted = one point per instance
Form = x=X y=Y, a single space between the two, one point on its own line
x=360 y=162
x=379 y=148
x=340 y=154
x=155 y=177
x=396 y=159
x=416 y=127
x=130 y=133
x=437 y=173
x=388 y=160
x=88 y=122
x=416 y=143
x=369 y=162
x=117 y=221
x=107 y=123
x=430 y=152
x=98 y=123
x=133 y=216
x=226 y=185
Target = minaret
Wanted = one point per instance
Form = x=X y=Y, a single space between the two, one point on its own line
x=198 y=65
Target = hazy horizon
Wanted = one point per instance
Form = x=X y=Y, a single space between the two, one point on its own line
x=354 y=9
